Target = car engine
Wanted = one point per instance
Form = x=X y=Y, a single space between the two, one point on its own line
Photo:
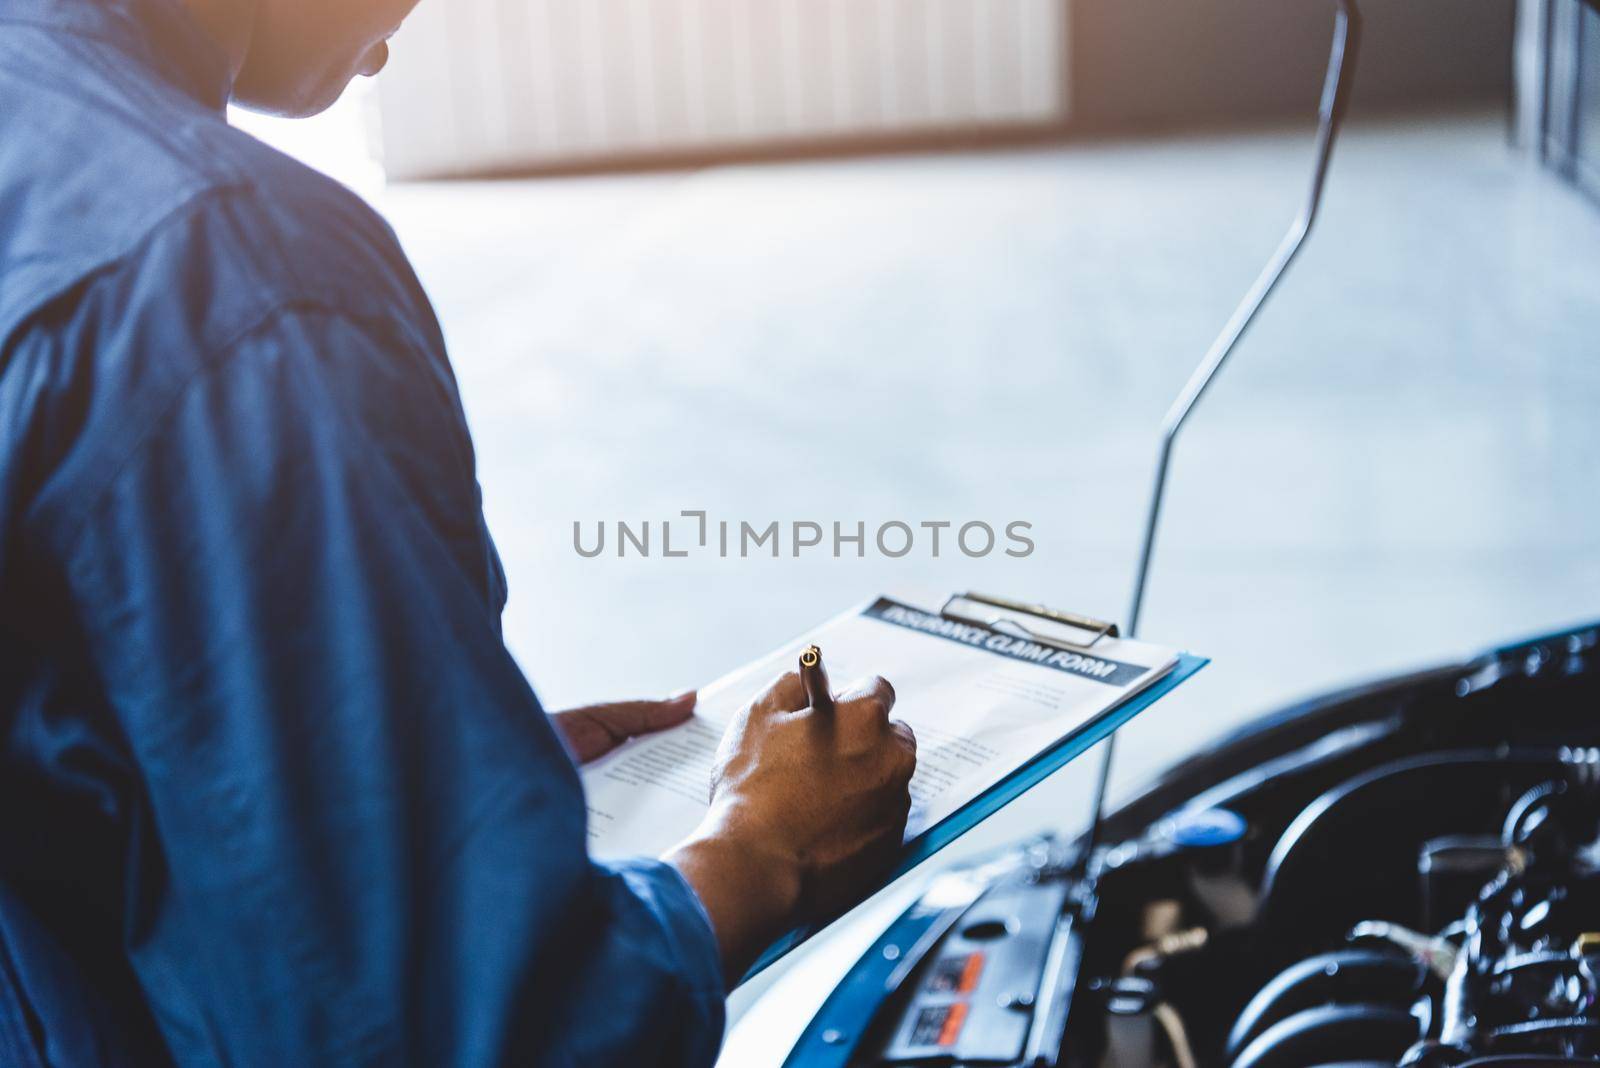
x=1484 y=946
x=1406 y=873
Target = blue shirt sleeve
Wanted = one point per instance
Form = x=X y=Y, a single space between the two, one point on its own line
x=360 y=839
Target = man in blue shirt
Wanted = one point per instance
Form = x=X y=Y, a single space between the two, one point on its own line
x=272 y=790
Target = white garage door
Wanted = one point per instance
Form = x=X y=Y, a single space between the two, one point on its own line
x=504 y=84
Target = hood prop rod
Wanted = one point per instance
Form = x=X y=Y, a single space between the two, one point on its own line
x=1336 y=90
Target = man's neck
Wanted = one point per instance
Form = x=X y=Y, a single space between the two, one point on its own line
x=230 y=23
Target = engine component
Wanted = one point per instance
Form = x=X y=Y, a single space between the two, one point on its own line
x=1517 y=974
x=1384 y=979
x=1434 y=952
x=1452 y=869
x=1141 y=1029
x=1213 y=840
x=1332 y=1034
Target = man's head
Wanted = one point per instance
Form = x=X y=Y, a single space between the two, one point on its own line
x=300 y=54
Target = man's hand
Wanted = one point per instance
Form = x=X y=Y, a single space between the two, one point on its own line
x=594 y=730
x=808 y=810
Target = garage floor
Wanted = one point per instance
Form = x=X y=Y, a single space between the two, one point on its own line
x=1401 y=467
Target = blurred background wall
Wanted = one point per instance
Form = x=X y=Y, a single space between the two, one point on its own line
x=520 y=84
x=526 y=85
x=1232 y=59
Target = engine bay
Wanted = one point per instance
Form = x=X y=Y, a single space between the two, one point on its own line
x=1480 y=942
x=1406 y=873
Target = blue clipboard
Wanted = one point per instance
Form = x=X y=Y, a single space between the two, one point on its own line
x=1007 y=790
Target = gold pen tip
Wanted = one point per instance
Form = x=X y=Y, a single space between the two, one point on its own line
x=811 y=657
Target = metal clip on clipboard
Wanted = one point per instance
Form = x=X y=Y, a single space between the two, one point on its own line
x=1035 y=622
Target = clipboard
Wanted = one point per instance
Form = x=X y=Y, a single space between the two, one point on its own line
x=1047 y=626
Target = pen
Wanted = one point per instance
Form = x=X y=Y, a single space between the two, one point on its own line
x=815 y=679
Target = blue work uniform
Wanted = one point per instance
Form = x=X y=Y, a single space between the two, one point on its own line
x=272 y=790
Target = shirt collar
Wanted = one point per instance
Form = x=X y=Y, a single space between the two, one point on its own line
x=159 y=34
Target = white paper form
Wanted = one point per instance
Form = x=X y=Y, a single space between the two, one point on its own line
x=982 y=703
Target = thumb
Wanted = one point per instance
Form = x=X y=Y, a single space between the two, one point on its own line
x=595 y=730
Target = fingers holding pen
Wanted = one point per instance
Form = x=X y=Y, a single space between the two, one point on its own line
x=871 y=698
x=786 y=693
x=870 y=703
x=815 y=679
x=905 y=736
x=859 y=713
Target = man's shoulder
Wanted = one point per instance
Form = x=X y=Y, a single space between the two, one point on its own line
x=209 y=259
x=91 y=186
x=244 y=285
x=270 y=231
x=140 y=248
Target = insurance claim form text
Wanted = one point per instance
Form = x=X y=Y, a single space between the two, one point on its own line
x=982 y=702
